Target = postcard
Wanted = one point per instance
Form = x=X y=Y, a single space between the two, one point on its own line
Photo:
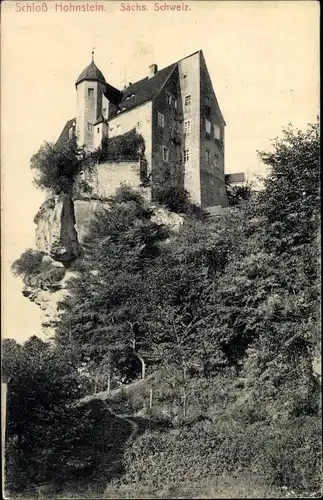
x=160 y=241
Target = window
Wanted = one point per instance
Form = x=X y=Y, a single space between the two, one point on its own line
x=186 y=155
x=208 y=126
x=161 y=120
x=207 y=156
x=70 y=132
x=216 y=132
x=89 y=127
x=169 y=98
x=187 y=100
x=90 y=92
x=98 y=130
x=175 y=103
x=165 y=154
x=171 y=125
x=187 y=127
x=208 y=101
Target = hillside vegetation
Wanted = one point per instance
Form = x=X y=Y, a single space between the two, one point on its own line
x=194 y=348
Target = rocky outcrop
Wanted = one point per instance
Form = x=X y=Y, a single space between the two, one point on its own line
x=61 y=225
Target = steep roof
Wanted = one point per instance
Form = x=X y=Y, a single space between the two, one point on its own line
x=91 y=72
x=63 y=138
x=144 y=90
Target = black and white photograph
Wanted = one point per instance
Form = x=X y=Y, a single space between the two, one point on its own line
x=161 y=249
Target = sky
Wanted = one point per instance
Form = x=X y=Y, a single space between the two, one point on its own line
x=263 y=59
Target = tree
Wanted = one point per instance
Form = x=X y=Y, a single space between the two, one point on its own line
x=43 y=427
x=57 y=165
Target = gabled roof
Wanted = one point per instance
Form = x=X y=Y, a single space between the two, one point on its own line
x=63 y=138
x=144 y=90
x=92 y=73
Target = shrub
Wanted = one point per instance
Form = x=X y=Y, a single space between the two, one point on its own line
x=29 y=263
x=129 y=145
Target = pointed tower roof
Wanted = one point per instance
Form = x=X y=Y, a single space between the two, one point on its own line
x=92 y=73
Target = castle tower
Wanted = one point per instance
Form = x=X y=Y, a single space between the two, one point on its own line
x=90 y=88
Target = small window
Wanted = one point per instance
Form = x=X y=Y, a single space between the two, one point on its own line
x=98 y=130
x=169 y=98
x=175 y=103
x=186 y=155
x=161 y=120
x=71 y=132
x=90 y=92
x=217 y=132
x=187 y=100
x=171 y=125
x=89 y=127
x=207 y=156
x=187 y=127
x=165 y=154
x=208 y=126
x=208 y=101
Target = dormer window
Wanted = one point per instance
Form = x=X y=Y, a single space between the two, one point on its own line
x=90 y=92
x=129 y=96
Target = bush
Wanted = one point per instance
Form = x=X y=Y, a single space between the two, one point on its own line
x=129 y=146
x=29 y=263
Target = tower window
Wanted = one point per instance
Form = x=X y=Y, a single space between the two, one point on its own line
x=165 y=154
x=207 y=156
x=90 y=92
x=89 y=127
x=187 y=127
x=186 y=155
x=216 y=132
x=161 y=120
x=208 y=126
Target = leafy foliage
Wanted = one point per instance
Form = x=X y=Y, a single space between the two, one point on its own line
x=130 y=145
x=29 y=263
x=57 y=165
x=226 y=310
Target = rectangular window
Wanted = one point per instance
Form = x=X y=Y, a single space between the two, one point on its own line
x=207 y=156
x=217 y=132
x=175 y=103
x=89 y=127
x=186 y=155
x=161 y=120
x=187 y=100
x=165 y=154
x=90 y=92
x=187 y=127
x=169 y=98
x=71 y=132
x=171 y=125
x=98 y=130
x=208 y=126
x=208 y=101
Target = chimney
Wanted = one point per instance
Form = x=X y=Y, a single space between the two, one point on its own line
x=153 y=68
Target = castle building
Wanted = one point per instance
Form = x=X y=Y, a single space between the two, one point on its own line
x=176 y=111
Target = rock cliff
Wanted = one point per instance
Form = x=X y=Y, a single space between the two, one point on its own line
x=61 y=226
